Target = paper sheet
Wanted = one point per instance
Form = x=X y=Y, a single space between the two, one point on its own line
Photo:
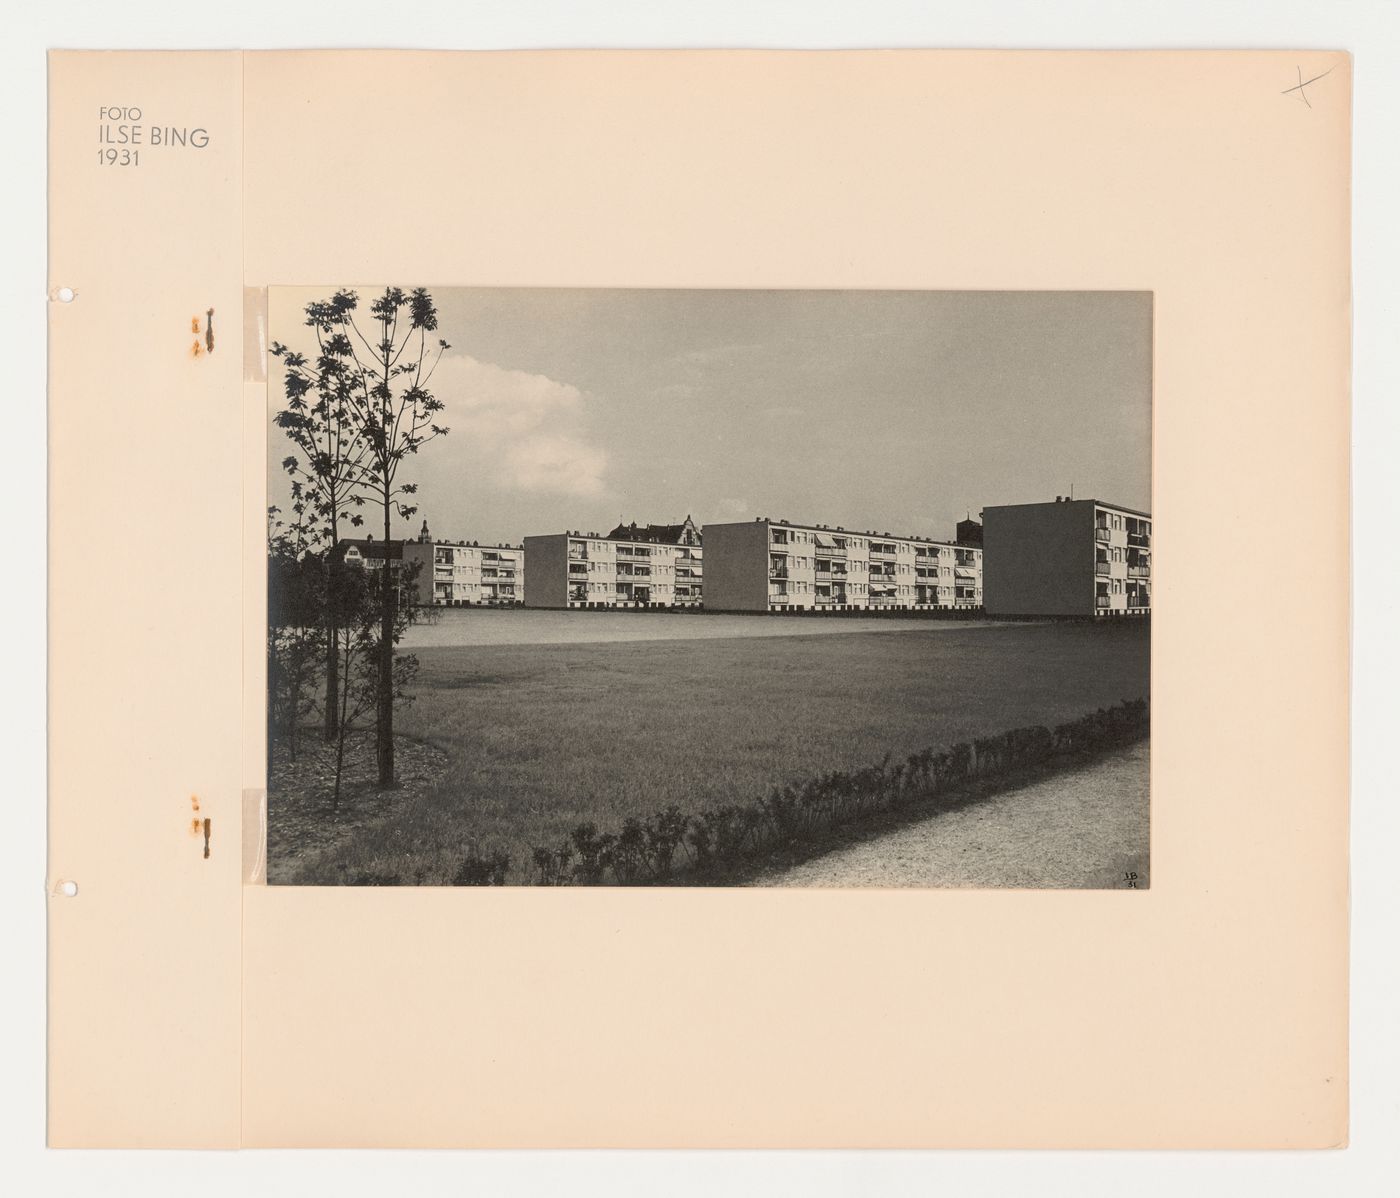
x=187 y=1009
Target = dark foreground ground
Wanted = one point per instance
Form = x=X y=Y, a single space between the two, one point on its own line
x=529 y=740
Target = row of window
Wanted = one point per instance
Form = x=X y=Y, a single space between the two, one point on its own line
x=1112 y=520
x=805 y=587
x=607 y=588
x=457 y=557
x=1117 y=586
x=630 y=549
x=904 y=569
x=847 y=544
x=457 y=584
x=620 y=569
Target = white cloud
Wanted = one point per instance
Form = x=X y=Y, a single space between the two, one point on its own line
x=516 y=430
x=560 y=464
x=732 y=509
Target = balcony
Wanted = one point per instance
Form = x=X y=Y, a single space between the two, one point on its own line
x=1140 y=540
x=1101 y=568
x=1139 y=572
x=1100 y=600
x=1102 y=533
x=778 y=572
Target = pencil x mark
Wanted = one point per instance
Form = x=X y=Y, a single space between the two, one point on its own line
x=1302 y=85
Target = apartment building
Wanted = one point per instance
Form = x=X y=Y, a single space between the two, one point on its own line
x=635 y=565
x=449 y=573
x=774 y=565
x=1069 y=557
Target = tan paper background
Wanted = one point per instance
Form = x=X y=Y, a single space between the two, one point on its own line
x=1208 y=1011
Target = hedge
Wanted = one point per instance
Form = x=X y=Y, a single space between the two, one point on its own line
x=717 y=842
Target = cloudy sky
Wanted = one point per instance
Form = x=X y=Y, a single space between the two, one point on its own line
x=894 y=410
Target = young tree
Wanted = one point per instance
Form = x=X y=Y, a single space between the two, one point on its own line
x=295 y=621
x=356 y=602
x=380 y=384
x=330 y=475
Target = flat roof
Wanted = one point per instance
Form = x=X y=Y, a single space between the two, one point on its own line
x=611 y=540
x=1117 y=507
x=439 y=543
x=832 y=530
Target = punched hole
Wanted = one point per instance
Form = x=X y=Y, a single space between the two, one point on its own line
x=68 y=889
x=65 y=295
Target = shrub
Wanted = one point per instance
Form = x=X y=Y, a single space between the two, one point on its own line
x=663 y=834
x=482 y=870
x=720 y=839
x=628 y=852
x=554 y=866
x=594 y=851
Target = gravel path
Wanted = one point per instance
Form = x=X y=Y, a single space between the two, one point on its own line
x=1087 y=828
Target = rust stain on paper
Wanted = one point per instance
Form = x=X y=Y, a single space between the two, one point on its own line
x=203 y=340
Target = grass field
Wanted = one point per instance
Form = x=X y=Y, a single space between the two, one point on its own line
x=541 y=737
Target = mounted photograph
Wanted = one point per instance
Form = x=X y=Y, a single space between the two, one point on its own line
x=650 y=587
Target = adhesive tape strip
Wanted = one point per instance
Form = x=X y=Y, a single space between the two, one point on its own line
x=255 y=837
x=255 y=334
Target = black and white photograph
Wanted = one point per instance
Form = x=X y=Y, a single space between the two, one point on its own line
x=708 y=587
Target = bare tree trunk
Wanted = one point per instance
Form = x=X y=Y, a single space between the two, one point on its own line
x=275 y=712
x=332 y=649
x=292 y=710
x=384 y=742
x=341 y=723
x=332 y=679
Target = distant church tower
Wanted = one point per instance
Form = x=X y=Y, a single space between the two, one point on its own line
x=424 y=536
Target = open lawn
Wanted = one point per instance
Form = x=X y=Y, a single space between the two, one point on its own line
x=541 y=737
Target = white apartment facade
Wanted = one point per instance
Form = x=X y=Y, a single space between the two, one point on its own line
x=472 y=575
x=633 y=566
x=775 y=565
x=450 y=573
